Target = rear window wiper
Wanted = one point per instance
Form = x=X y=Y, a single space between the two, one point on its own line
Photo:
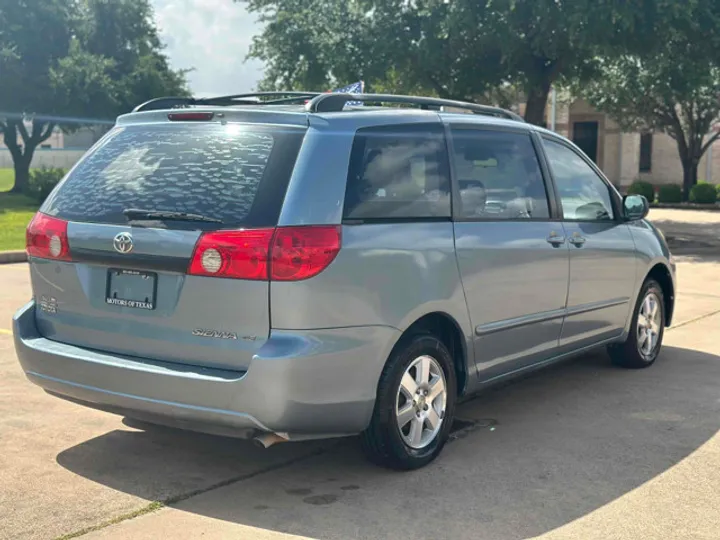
x=167 y=215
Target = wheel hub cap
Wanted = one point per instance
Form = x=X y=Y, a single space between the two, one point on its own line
x=649 y=325
x=420 y=402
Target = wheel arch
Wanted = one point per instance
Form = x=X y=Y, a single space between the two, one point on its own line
x=662 y=274
x=443 y=326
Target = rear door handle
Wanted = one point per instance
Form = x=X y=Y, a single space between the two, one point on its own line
x=555 y=239
x=577 y=240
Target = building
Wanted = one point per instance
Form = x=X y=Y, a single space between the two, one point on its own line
x=627 y=157
x=85 y=137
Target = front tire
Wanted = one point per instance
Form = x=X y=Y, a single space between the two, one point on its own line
x=642 y=346
x=414 y=407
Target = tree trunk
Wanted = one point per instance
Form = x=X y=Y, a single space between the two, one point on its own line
x=23 y=154
x=537 y=102
x=690 y=176
x=22 y=173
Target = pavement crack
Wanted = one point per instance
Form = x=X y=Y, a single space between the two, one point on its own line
x=696 y=319
x=148 y=509
x=700 y=294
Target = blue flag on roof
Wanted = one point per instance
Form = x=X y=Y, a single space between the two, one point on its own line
x=354 y=88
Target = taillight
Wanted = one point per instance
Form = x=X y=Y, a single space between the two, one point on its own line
x=190 y=116
x=233 y=254
x=282 y=254
x=46 y=238
x=303 y=252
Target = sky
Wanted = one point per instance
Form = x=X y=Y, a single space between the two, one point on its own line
x=213 y=37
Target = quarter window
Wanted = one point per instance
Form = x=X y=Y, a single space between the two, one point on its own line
x=498 y=175
x=398 y=172
x=584 y=195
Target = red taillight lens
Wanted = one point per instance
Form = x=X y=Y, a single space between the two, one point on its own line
x=303 y=252
x=283 y=254
x=233 y=254
x=46 y=237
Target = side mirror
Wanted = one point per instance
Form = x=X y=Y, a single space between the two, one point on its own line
x=635 y=207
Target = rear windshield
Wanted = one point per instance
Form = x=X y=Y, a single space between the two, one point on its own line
x=235 y=173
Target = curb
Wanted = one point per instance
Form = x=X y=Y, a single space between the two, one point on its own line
x=8 y=257
x=686 y=206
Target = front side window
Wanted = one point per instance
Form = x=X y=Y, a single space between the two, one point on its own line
x=498 y=175
x=398 y=172
x=584 y=195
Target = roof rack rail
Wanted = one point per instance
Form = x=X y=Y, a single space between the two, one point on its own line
x=336 y=102
x=252 y=98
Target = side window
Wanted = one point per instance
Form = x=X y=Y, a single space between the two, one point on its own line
x=398 y=172
x=584 y=195
x=498 y=175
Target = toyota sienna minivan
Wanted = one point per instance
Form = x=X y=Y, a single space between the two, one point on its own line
x=293 y=266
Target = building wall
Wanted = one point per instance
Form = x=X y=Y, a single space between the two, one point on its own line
x=665 y=165
x=45 y=158
x=85 y=137
x=611 y=163
x=714 y=173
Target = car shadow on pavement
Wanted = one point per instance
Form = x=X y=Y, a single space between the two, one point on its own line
x=533 y=455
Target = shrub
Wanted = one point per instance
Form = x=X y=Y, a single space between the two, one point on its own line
x=42 y=182
x=640 y=187
x=670 y=193
x=703 y=193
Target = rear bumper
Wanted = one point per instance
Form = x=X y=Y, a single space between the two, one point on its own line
x=308 y=383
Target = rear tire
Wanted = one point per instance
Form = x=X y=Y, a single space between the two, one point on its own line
x=642 y=346
x=414 y=407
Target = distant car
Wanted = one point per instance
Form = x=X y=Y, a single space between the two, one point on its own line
x=295 y=268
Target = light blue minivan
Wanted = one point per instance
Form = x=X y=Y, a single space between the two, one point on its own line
x=289 y=266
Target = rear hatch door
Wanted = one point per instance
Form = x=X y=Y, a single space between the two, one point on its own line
x=135 y=208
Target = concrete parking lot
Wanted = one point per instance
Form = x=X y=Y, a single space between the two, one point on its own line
x=582 y=450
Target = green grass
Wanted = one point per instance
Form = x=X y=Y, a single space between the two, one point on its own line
x=15 y=213
x=7 y=179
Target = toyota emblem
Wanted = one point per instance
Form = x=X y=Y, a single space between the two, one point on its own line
x=123 y=242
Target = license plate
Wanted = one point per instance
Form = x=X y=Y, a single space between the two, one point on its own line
x=131 y=288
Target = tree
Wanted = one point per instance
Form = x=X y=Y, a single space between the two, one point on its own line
x=31 y=39
x=70 y=62
x=124 y=32
x=675 y=91
x=463 y=49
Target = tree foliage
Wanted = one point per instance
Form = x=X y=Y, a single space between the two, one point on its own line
x=460 y=49
x=65 y=62
x=676 y=90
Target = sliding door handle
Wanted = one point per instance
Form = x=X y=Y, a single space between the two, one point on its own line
x=577 y=240
x=555 y=239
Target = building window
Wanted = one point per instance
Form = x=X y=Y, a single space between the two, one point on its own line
x=45 y=146
x=646 y=140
